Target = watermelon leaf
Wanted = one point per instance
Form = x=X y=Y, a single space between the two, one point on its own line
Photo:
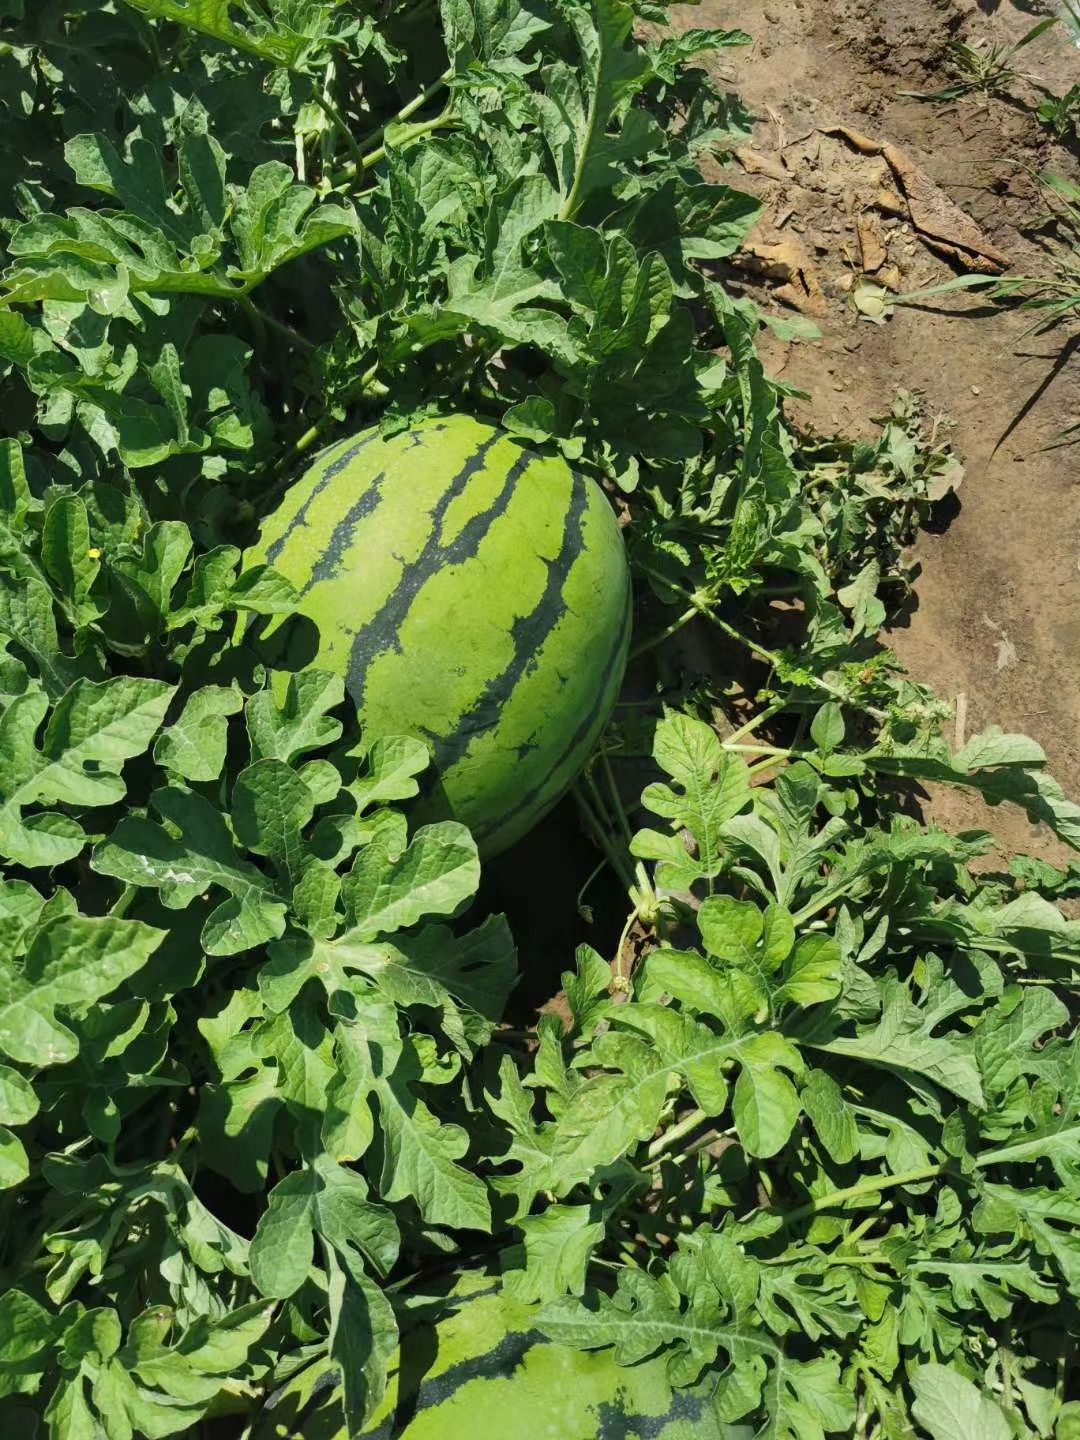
x=300 y=722
x=608 y=1114
x=18 y=1106
x=71 y=960
x=613 y=72
x=420 y=1156
x=713 y=787
x=437 y=872
x=91 y=732
x=342 y=1035
x=142 y=852
x=558 y=1247
x=326 y=1201
x=193 y=747
x=948 y=1406
x=802 y=1398
x=363 y=1337
x=284 y=36
x=392 y=765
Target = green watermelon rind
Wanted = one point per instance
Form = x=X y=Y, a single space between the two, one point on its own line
x=484 y=1366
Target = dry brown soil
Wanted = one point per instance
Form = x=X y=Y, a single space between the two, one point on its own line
x=998 y=614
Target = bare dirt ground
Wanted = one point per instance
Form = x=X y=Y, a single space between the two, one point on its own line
x=998 y=613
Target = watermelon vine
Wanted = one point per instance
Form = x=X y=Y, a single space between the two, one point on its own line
x=283 y=1151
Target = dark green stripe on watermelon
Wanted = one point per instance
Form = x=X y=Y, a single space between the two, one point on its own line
x=580 y=744
x=352 y=448
x=381 y=633
x=337 y=551
x=528 y=632
x=471 y=592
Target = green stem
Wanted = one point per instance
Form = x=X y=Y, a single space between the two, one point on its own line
x=334 y=115
x=599 y=803
x=863 y=1188
x=677 y=1132
x=704 y=608
x=600 y=837
x=642 y=894
x=591 y=877
x=774 y=659
x=863 y=1226
x=1006 y=1370
x=616 y=798
x=759 y=719
x=621 y=981
x=261 y=319
x=1002 y=1155
x=370 y=388
x=673 y=629
x=125 y=900
x=306 y=440
x=376 y=149
x=710 y=1137
x=282 y=472
x=763 y=749
x=416 y=103
x=186 y=1139
x=592 y=824
x=825 y=900
x=769 y=763
x=407 y=136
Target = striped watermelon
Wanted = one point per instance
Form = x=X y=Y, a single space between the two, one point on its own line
x=472 y=593
x=471 y=1365
x=483 y=1370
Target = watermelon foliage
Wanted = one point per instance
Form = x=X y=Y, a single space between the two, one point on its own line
x=471 y=593
x=809 y=1167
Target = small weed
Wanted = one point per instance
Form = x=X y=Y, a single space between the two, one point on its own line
x=1056 y=295
x=1061 y=113
x=987 y=69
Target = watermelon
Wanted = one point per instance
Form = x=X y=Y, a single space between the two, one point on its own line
x=471 y=592
x=473 y=1365
x=488 y=1370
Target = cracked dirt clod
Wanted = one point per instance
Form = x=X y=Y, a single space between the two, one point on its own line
x=789 y=262
x=755 y=162
x=890 y=203
x=939 y=221
x=872 y=247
